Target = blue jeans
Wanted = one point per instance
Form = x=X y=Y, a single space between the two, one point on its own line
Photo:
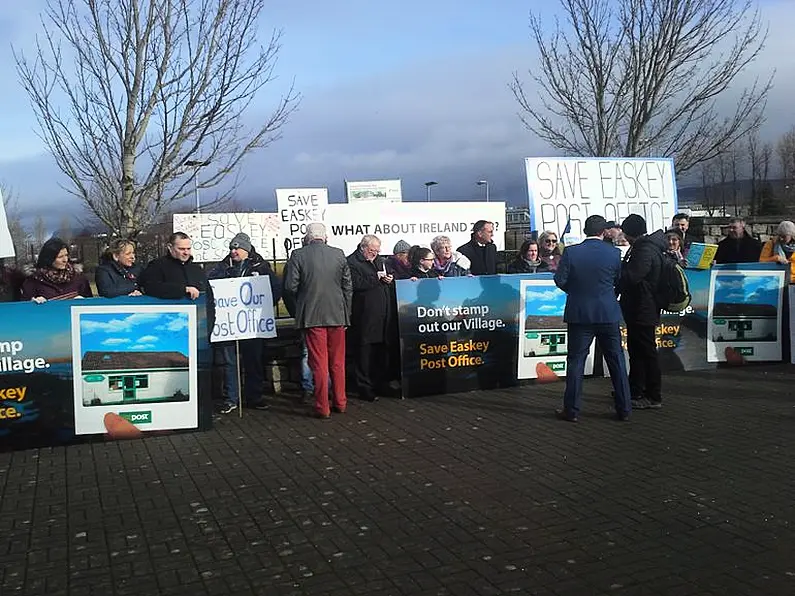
x=251 y=352
x=225 y=357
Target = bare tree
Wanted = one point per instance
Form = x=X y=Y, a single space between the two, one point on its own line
x=708 y=169
x=39 y=231
x=736 y=163
x=630 y=77
x=786 y=155
x=129 y=92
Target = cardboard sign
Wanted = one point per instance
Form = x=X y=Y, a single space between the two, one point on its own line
x=243 y=308
x=299 y=207
x=212 y=232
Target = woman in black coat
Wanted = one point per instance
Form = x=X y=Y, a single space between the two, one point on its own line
x=117 y=274
x=528 y=259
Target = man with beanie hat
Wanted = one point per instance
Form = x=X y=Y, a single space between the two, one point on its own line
x=481 y=250
x=243 y=261
x=640 y=278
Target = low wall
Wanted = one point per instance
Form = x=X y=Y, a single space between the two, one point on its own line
x=713 y=229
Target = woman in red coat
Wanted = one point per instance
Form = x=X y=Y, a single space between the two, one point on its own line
x=54 y=277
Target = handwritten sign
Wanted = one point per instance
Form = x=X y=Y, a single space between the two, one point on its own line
x=570 y=189
x=243 y=308
x=299 y=207
x=211 y=233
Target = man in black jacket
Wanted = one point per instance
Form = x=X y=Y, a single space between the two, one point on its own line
x=640 y=278
x=738 y=246
x=370 y=317
x=480 y=250
x=244 y=261
x=174 y=275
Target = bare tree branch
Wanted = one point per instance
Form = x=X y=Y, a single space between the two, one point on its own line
x=630 y=77
x=126 y=91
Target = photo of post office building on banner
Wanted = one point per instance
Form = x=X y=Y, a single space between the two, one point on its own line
x=543 y=335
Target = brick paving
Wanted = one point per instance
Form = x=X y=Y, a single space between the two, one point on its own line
x=474 y=494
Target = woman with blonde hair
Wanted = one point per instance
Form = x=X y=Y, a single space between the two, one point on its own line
x=117 y=274
x=781 y=248
x=549 y=249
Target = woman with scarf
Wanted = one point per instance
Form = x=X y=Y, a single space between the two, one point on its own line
x=54 y=277
x=549 y=249
x=528 y=261
x=781 y=248
x=398 y=265
x=447 y=262
x=117 y=274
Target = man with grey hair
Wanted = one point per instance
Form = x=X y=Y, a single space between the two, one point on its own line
x=738 y=246
x=371 y=317
x=317 y=276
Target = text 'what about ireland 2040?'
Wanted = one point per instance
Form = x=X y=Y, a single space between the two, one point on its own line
x=457 y=351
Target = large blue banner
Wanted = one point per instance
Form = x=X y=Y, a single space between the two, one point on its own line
x=118 y=368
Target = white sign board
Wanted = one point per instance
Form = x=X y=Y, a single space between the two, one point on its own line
x=243 y=308
x=299 y=207
x=6 y=244
x=563 y=190
x=416 y=223
x=380 y=191
x=211 y=233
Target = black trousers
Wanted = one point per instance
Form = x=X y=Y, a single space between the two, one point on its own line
x=645 y=378
x=371 y=367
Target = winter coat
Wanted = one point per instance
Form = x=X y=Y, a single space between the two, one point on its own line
x=35 y=287
x=640 y=278
x=10 y=284
x=113 y=280
x=253 y=265
x=768 y=255
x=521 y=265
x=419 y=274
x=372 y=310
x=738 y=250
x=483 y=259
x=317 y=287
x=457 y=266
x=167 y=278
x=397 y=269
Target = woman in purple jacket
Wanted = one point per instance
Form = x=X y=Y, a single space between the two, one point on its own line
x=54 y=277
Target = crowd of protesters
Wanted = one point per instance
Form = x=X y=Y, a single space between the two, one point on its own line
x=346 y=307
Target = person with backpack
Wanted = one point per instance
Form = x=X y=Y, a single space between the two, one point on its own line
x=641 y=273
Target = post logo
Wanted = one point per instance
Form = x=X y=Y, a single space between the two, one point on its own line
x=556 y=366
x=137 y=417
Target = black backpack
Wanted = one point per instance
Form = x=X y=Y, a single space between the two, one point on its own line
x=673 y=291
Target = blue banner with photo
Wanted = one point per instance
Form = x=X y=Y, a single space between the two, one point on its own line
x=118 y=368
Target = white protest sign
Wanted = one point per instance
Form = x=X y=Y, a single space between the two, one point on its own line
x=6 y=244
x=299 y=207
x=564 y=190
x=381 y=191
x=416 y=223
x=211 y=233
x=243 y=308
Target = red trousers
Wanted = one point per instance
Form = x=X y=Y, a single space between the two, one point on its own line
x=326 y=349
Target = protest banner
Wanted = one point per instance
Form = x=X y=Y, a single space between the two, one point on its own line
x=565 y=191
x=298 y=207
x=543 y=336
x=378 y=191
x=745 y=312
x=416 y=223
x=243 y=308
x=120 y=367
x=6 y=243
x=211 y=233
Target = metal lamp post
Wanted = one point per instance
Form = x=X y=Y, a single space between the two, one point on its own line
x=191 y=163
x=486 y=184
x=428 y=186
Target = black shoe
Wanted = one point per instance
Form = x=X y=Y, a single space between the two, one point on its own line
x=228 y=408
x=564 y=415
x=622 y=416
x=320 y=415
x=260 y=405
x=368 y=396
x=307 y=397
x=338 y=410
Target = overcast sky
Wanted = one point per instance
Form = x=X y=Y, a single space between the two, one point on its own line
x=415 y=90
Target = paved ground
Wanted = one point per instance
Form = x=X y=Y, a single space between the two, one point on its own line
x=481 y=493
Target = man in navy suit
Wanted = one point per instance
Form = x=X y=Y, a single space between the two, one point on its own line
x=589 y=273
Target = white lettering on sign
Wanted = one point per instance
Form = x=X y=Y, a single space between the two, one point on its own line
x=569 y=190
x=298 y=207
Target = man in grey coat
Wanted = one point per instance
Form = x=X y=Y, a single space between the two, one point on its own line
x=319 y=279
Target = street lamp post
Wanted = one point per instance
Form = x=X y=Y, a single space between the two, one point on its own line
x=486 y=184
x=428 y=189
x=191 y=163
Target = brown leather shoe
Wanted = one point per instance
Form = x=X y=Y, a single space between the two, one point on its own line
x=338 y=410
x=320 y=415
